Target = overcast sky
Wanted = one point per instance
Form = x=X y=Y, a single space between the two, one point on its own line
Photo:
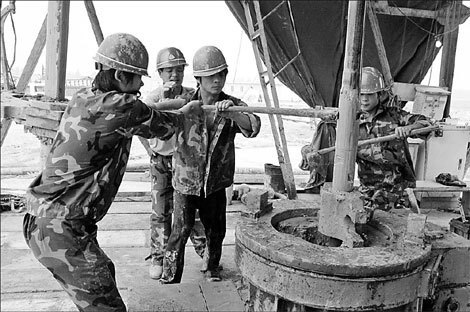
x=185 y=24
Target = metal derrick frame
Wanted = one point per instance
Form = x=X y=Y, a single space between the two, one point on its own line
x=450 y=16
x=41 y=115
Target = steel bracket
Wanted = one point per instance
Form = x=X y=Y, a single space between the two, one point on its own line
x=430 y=277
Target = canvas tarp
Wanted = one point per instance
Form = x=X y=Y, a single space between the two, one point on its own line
x=320 y=27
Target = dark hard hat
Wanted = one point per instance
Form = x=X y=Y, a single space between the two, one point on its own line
x=372 y=80
x=123 y=52
x=170 y=57
x=208 y=61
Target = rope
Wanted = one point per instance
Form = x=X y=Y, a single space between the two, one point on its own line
x=10 y=66
x=430 y=75
x=14 y=46
x=9 y=75
x=431 y=34
x=423 y=29
x=294 y=29
x=428 y=48
x=402 y=44
x=238 y=55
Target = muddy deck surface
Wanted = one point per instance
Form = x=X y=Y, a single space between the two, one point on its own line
x=124 y=235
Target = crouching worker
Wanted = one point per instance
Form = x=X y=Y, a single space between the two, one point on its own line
x=84 y=169
x=385 y=169
x=204 y=165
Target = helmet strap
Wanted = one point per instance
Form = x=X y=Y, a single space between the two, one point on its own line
x=117 y=74
x=382 y=95
x=100 y=67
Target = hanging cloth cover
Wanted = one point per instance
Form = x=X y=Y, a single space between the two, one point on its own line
x=320 y=29
x=319 y=166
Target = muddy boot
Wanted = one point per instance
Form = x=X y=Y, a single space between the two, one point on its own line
x=205 y=264
x=213 y=275
x=155 y=269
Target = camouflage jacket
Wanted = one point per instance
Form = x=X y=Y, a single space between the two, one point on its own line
x=159 y=146
x=387 y=162
x=204 y=158
x=88 y=157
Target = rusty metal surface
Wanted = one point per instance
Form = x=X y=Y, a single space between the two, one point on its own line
x=328 y=292
x=455 y=264
x=287 y=269
x=452 y=299
x=261 y=238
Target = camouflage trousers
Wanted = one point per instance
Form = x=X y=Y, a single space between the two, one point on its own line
x=70 y=251
x=212 y=212
x=384 y=196
x=162 y=209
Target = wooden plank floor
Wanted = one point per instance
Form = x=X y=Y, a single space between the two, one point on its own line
x=124 y=235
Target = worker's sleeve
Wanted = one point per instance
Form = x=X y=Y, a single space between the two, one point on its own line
x=255 y=122
x=148 y=123
x=411 y=119
x=153 y=97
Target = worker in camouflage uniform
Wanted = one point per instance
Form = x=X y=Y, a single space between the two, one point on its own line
x=84 y=169
x=170 y=65
x=204 y=165
x=385 y=169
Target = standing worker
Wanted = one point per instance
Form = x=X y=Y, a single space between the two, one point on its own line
x=84 y=169
x=204 y=165
x=170 y=65
x=385 y=169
